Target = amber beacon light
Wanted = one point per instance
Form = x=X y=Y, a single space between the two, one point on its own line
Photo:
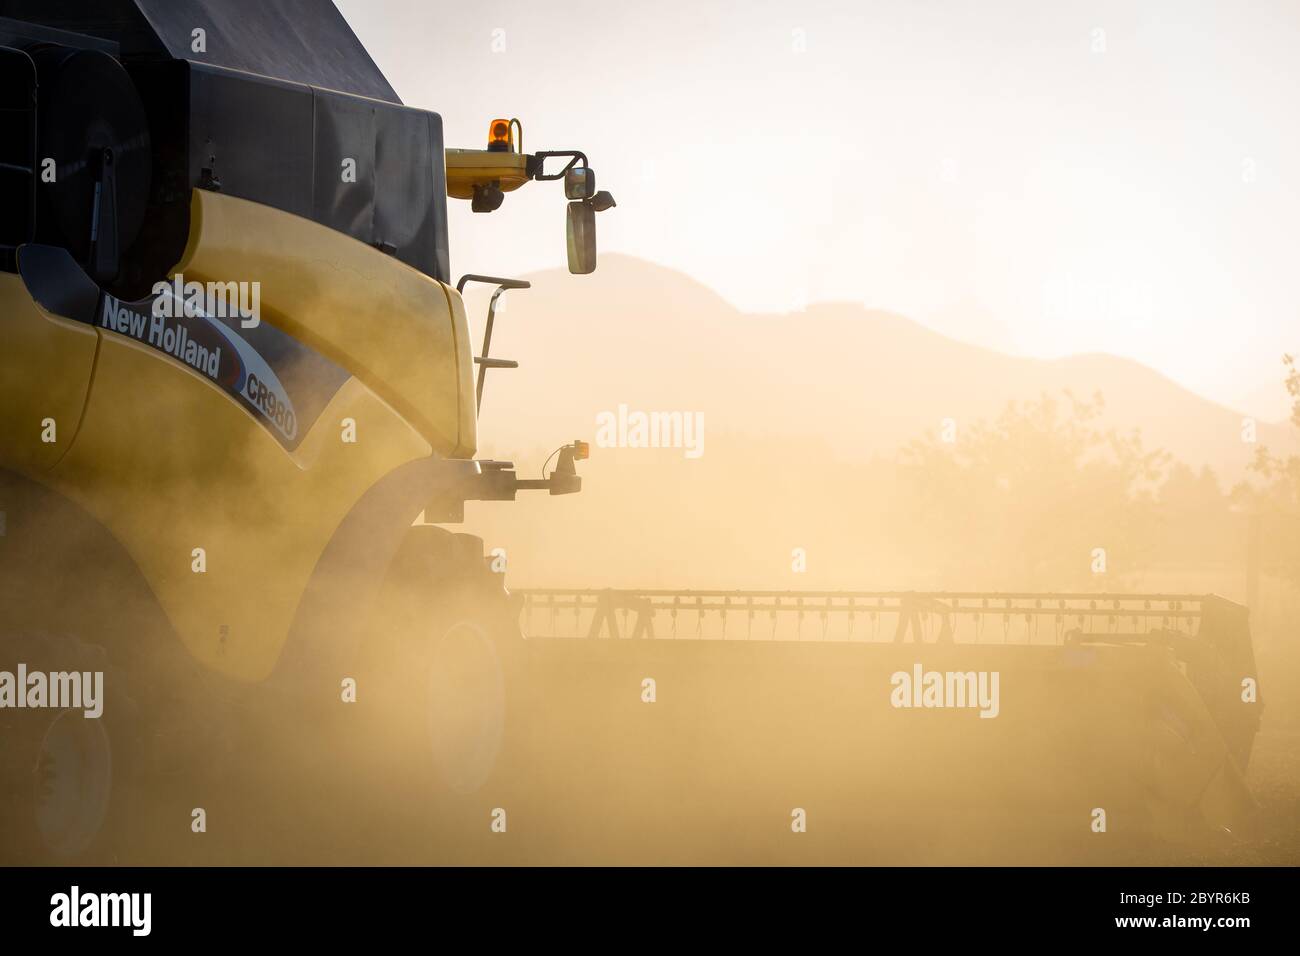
x=500 y=137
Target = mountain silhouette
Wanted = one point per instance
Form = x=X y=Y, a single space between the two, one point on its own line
x=853 y=380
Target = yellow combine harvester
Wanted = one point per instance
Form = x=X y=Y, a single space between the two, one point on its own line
x=234 y=371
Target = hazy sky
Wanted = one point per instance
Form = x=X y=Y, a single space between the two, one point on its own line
x=1041 y=178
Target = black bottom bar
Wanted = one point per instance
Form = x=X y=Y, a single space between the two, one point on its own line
x=980 y=906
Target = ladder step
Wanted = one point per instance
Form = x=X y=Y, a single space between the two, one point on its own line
x=495 y=363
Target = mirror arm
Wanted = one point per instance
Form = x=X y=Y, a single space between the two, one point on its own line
x=536 y=163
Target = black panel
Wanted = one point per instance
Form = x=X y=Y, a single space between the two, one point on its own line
x=18 y=168
x=409 y=187
x=345 y=130
x=398 y=201
x=164 y=88
x=22 y=34
x=280 y=141
x=254 y=135
x=283 y=145
x=437 y=211
x=58 y=283
x=306 y=41
x=117 y=21
x=87 y=108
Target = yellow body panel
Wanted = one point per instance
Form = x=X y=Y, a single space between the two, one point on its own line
x=467 y=168
x=168 y=463
x=45 y=368
x=392 y=326
x=468 y=405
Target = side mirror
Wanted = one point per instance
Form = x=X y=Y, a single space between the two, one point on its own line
x=580 y=183
x=581 y=234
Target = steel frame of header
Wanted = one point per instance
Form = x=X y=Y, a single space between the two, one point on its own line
x=918 y=613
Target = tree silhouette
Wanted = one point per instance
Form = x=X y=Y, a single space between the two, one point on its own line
x=1274 y=495
x=1029 y=498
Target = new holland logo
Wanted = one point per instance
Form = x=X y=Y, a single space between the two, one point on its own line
x=213 y=349
x=155 y=330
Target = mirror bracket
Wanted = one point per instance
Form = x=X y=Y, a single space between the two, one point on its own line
x=536 y=165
